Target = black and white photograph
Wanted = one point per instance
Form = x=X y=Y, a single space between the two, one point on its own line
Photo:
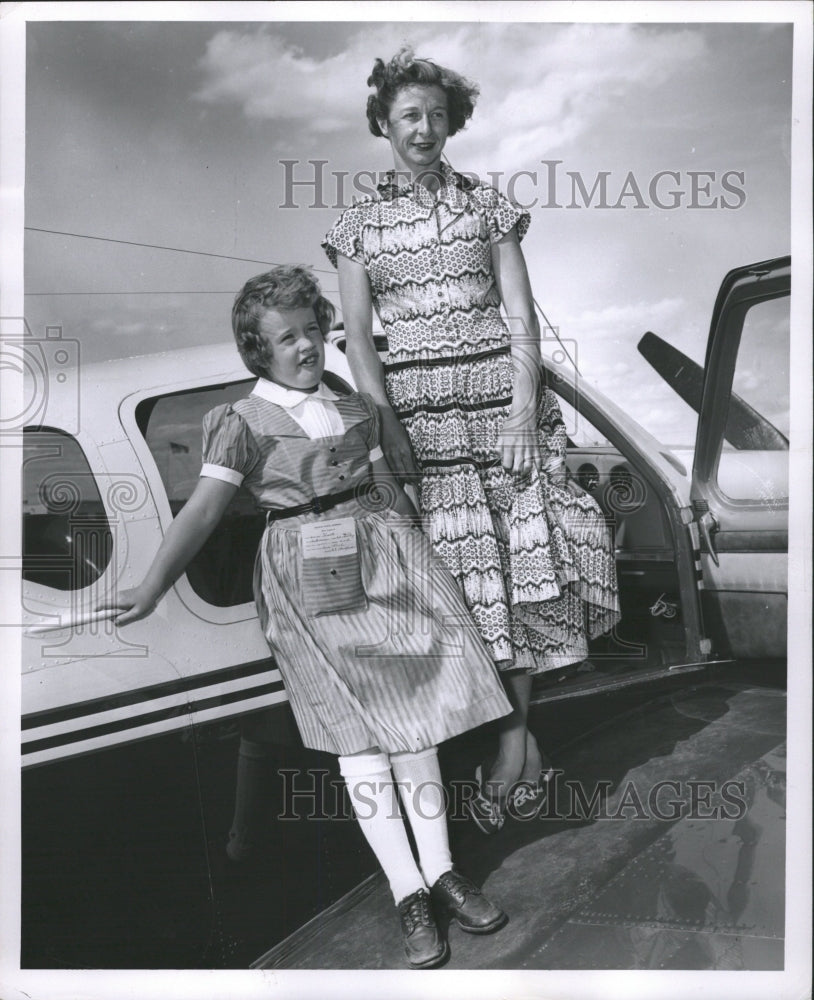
x=406 y=500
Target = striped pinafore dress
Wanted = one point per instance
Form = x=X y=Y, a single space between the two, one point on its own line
x=402 y=666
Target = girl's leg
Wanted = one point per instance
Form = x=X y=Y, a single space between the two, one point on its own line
x=422 y=795
x=372 y=795
x=252 y=792
x=418 y=776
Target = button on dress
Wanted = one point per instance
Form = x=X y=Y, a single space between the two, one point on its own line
x=534 y=562
x=406 y=670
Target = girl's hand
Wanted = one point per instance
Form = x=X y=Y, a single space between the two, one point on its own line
x=518 y=444
x=397 y=448
x=135 y=605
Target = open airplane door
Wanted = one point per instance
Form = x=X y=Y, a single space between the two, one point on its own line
x=741 y=468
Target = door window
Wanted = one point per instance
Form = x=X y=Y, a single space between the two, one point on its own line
x=754 y=458
x=222 y=571
x=67 y=542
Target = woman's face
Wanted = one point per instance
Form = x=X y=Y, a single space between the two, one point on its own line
x=417 y=128
x=295 y=346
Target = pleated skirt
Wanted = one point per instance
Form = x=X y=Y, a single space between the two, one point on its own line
x=404 y=673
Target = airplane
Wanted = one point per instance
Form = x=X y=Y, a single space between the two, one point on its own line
x=700 y=539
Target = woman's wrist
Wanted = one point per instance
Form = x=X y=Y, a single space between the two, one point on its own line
x=387 y=413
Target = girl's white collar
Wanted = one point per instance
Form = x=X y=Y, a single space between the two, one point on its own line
x=282 y=396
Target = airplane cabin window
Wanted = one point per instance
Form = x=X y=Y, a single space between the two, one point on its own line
x=754 y=462
x=631 y=509
x=221 y=573
x=581 y=433
x=67 y=541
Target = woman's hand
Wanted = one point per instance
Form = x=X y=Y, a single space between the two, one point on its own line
x=518 y=444
x=574 y=488
x=397 y=449
x=397 y=500
x=135 y=604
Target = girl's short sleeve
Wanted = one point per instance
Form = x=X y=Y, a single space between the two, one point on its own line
x=346 y=237
x=502 y=216
x=229 y=449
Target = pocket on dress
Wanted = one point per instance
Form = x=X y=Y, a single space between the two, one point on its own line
x=332 y=584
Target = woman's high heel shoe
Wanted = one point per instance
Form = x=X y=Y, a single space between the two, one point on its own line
x=527 y=798
x=487 y=813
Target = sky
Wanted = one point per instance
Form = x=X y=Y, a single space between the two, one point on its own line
x=175 y=135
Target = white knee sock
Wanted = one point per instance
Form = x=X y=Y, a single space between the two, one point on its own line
x=422 y=795
x=372 y=795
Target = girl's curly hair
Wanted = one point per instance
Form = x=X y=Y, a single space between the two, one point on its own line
x=287 y=286
x=405 y=70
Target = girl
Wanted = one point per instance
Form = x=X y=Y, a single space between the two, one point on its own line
x=377 y=651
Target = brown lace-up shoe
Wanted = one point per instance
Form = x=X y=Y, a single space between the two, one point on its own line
x=423 y=944
x=466 y=904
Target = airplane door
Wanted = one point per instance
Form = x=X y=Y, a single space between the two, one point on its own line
x=79 y=675
x=741 y=468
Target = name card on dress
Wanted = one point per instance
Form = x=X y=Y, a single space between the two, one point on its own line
x=331 y=580
x=329 y=538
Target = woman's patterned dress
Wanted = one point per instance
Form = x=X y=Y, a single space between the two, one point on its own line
x=534 y=561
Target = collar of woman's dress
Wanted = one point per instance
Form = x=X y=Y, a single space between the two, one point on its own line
x=453 y=186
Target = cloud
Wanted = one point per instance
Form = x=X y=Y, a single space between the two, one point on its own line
x=270 y=79
x=548 y=95
x=607 y=358
x=600 y=333
x=114 y=327
x=542 y=85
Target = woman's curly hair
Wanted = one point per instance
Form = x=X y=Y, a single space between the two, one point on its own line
x=287 y=286
x=405 y=70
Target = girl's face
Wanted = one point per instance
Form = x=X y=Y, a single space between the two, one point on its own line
x=417 y=128
x=296 y=348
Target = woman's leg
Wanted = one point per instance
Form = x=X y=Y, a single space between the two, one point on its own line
x=517 y=751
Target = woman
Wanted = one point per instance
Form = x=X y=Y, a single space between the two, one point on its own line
x=464 y=410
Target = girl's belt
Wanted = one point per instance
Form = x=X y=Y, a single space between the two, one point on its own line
x=318 y=505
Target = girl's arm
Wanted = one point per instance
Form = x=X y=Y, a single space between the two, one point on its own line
x=360 y=349
x=519 y=443
x=184 y=538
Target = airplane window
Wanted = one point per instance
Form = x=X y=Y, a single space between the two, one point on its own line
x=581 y=433
x=754 y=463
x=221 y=573
x=67 y=542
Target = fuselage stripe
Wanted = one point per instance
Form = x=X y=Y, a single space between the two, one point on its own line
x=145 y=694
x=148 y=718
